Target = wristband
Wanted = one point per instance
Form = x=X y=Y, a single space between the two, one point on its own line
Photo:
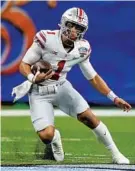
x=111 y=96
x=30 y=77
x=35 y=76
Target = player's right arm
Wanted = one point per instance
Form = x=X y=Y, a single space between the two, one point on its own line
x=33 y=55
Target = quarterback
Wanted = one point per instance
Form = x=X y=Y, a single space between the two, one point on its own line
x=63 y=49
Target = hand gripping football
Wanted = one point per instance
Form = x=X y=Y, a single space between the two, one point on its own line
x=42 y=66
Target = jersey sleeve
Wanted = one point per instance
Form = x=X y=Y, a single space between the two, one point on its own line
x=40 y=39
x=34 y=53
x=87 y=69
x=84 y=49
x=85 y=66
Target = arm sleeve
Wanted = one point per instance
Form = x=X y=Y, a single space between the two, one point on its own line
x=87 y=69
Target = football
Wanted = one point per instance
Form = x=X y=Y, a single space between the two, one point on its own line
x=43 y=66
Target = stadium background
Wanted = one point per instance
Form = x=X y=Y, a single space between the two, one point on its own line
x=111 y=34
x=112 y=37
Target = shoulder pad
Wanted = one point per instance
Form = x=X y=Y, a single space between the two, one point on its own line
x=40 y=38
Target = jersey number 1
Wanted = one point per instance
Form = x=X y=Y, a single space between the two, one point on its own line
x=56 y=75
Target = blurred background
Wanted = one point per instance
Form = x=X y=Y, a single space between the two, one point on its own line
x=111 y=34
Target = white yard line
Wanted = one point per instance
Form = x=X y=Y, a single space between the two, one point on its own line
x=92 y=167
x=15 y=139
x=57 y=112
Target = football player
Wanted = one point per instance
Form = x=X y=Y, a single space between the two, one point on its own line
x=63 y=49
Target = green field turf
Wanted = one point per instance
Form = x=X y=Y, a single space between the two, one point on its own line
x=21 y=145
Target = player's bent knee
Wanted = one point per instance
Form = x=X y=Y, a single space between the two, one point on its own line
x=88 y=118
x=47 y=134
x=82 y=116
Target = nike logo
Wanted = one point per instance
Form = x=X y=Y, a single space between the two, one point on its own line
x=54 y=52
x=105 y=133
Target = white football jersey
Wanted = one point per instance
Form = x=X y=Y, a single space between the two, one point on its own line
x=48 y=46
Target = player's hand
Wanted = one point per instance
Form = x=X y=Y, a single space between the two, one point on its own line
x=122 y=104
x=43 y=76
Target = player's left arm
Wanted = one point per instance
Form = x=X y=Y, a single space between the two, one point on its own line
x=103 y=88
x=99 y=84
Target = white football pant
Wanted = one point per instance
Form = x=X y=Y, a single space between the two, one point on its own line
x=63 y=95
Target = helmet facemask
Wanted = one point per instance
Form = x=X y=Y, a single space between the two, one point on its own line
x=79 y=30
x=70 y=20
